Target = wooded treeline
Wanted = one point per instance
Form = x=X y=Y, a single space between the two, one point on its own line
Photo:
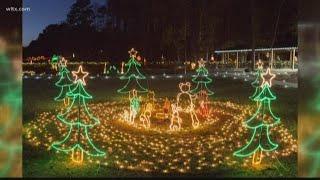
x=177 y=29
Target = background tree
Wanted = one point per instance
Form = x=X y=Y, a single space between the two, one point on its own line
x=179 y=30
x=81 y=14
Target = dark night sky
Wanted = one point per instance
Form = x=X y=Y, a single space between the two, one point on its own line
x=44 y=13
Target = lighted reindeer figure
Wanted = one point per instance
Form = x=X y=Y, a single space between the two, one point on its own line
x=185 y=102
x=175 y=121
x=134 y=105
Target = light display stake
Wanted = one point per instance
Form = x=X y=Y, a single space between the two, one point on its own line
x=78 y=119
x=64 y=83
x=260 y=123
x=122 y=67
x=202 y=79
x=258 y=81
x=105 y=68
x=132 y=75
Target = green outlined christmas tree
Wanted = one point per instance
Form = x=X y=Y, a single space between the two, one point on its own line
x=79 y=120
x=257 y=82
x=202 y=79
x=260 y=123
x=133 y=75
x=64 y=83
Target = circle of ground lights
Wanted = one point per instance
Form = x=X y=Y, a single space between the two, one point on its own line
x=160 y=150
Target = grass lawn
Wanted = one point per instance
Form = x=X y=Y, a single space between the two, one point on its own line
x=38 y=97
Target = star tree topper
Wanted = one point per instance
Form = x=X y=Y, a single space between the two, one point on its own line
x=63 y=62
x=201 y=62
x=80 y=75
x=259 y=64
x=133 y=53
x=267 y=78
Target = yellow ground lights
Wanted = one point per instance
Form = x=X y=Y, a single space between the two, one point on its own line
x=160 y=150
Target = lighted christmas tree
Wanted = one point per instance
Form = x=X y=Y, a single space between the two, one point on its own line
x=132 y=75
x=64 y=83
x=79 y=120
x=202 y=79
x=260 y=123
x=257 y=82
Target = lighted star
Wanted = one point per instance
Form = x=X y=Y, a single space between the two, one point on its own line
x=259 y=64
x=201 y=62
x=63 y=62
x=267 y=78
x=80 y=75
x=133 y=53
